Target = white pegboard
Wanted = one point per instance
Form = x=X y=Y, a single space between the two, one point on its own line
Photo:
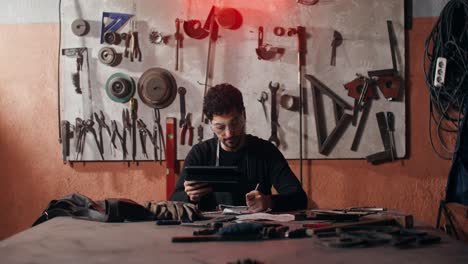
x=365 y=47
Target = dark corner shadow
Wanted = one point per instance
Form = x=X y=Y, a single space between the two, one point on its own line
x=407 y=87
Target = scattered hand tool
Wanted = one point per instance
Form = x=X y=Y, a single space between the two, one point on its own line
x=156 y=37
x=274 y=115
x=387 y=221
x=127 y=39
x=362 y=89
x=85 y=127
x=337 y=41
x=182 y=91
x=116 y=21
x=78 y=132
x=234 y=232
x=389 y=81
x=387 y=140
x=158 y=133
x=144 y=131
x=187 y=126
x=134 y=116
x=391 y=129
x=360 y=127
x=66 y=135
x=78 y=54
x=326 y=143
x=178 y=37
x=171 y=155
x=266 y=51
x=134 y=44
x=212 y=27
x=301 y=62
x=263 y=98
x=116 y=133
x=102 y=124
x=127 y=126
x=168 y=222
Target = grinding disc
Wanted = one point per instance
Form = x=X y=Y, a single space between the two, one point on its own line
x=120 y=87
x=109 y=56
x=157 y=88
x=229 y=18
x=112 y=38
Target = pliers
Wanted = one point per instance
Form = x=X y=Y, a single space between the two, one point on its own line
x=84 y=128
x=79 y=131
x=127 y=125
x=187 y=126
x=116 y=133
x=144 y=131
x=158 y=135
x=101 y=119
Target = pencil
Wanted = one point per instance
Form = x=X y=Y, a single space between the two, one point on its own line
x=256 y=187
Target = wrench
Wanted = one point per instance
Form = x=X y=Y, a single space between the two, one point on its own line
x=274 y=115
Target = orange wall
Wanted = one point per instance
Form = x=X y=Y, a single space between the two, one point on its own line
x=32 y=172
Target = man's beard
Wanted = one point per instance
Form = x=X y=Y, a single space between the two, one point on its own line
x=235 y=142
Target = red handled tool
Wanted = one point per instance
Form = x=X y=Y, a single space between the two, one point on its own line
x=170 y=155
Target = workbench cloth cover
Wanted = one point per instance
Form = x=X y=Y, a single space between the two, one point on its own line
x=457 y=183
x=174 y=210
x=108 y=210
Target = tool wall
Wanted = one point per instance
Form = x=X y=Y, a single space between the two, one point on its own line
x=122 y=52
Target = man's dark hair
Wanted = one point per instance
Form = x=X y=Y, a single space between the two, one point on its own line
x=222 y=99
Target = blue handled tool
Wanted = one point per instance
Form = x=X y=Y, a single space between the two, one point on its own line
x=117 y=20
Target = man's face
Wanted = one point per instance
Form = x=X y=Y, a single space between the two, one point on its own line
x=230 y=129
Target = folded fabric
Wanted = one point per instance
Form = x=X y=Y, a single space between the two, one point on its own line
x=173 y=210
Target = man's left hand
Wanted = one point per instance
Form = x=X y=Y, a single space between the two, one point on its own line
x=258 y=202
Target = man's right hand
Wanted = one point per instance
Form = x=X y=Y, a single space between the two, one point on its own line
x=196 y=190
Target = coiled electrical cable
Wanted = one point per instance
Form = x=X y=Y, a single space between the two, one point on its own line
x=58 y=69
x=448 y=39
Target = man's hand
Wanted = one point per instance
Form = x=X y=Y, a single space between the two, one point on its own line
x=257 y=201
x=196 y=190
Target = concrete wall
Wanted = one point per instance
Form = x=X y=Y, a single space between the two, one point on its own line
x=32 y=174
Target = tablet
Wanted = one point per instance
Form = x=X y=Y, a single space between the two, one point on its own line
x=220 y=178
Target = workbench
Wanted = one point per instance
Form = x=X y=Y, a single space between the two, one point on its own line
x=66 y=240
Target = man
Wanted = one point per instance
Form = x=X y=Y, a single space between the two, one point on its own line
x=261 y=163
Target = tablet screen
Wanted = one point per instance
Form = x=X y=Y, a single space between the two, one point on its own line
x=221 y=178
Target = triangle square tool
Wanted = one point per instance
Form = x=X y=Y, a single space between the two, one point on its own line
x=342 y=119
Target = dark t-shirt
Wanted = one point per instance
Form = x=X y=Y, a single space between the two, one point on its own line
x=260 y=162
